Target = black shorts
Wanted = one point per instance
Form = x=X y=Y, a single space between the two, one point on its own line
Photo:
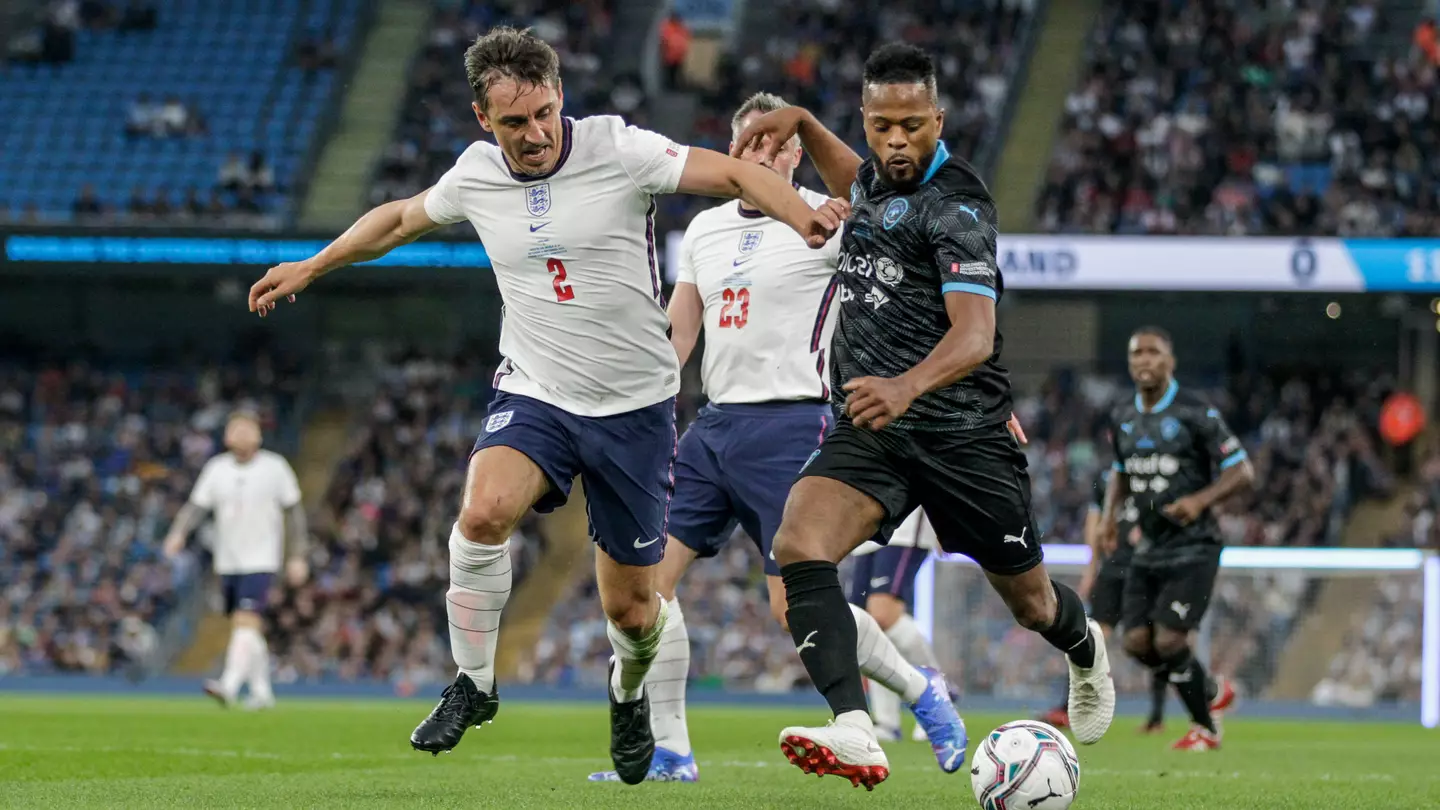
x=973 y=486
x=1107 y=597
x=1173 y=596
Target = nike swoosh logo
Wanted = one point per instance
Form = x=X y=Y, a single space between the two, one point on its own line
x=739 y=262
x=879 y=582
x=534 y=228
x=652 y=541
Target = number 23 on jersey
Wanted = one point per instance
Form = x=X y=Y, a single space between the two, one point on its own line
x=735 y=312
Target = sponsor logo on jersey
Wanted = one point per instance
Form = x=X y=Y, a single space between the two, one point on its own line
x=750 y=240
x=498 y=421
x=894 y=212
x=876 y=298
x=887 y=271
x=981 y=272
x=1169 y=428
x=537 y=199
x=1152 y=465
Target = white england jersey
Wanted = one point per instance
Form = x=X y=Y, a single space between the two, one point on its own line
x=574 y=256
x=914 y=532
x=768 y=295
x=248 y=502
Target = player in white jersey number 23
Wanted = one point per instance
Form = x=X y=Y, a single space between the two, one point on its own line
x=565 y=210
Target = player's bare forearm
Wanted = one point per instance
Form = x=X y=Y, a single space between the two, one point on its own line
x=1236 y=477
x=1093 y=519
x=833 y=158
x=715 y=175
x=686 y=313
x=186 y=520
x=1114 y=492
x=969 y=342
x=375 y=234
x=297 y=531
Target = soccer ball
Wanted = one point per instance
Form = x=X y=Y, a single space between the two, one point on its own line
x=1025 y=765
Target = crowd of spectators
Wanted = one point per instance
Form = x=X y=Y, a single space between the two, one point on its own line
x=374 y=606
x=94 y=464
x=1250 y=117
x=436 y=123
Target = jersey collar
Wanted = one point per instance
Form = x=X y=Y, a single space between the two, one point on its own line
x=1165 y=400
x=941 y=155
x=567 y=136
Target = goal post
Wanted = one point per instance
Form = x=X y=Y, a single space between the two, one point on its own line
x=1262 y=596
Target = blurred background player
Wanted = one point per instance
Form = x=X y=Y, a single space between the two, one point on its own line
x=255 y=500
x=589 y=376
x=926 y=402
x=882 y=583
x=1176 y=457
x=764 y=301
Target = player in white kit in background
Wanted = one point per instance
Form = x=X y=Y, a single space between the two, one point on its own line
x=765 y=302
x=255 y=500
x=565 y=210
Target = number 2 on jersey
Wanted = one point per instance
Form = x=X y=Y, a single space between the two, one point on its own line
x=736 y=311
x=563 y=291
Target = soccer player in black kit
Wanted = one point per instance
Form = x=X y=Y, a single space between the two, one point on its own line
x=1175 y=456
x=923 y=407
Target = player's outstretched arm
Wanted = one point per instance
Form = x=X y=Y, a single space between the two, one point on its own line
x=380 y=231
x=186 y=520
x=836 y=162
x=715 y=175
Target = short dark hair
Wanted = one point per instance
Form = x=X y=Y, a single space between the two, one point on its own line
x=504 y=52
x=1155 y=331
x=900 y=63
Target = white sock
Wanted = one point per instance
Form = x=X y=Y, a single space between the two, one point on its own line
x=479 y=588
x=237 y=663
x=258 y=672
x=880 y=661
x=633 y=657
x=906 y=636
x=666 y=683
x=884 y=706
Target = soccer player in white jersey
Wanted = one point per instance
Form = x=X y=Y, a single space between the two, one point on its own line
x=587 y=385
x=255 y=500
x=764 y=299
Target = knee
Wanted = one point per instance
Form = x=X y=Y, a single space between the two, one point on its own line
x=1035 y=610
x=631 y=612
x=1169 y=643
x=792 y=546
x=1137 y=642
x=483 y=525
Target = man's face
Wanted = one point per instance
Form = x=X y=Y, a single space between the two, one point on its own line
x=1151 y=361
x=785 y=160
x=902 y=127
x=525 y=119
x=242 y=436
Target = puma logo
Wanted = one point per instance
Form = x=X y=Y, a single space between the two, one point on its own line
x=1052 y=795
x=807 y=643
x=1010 y=538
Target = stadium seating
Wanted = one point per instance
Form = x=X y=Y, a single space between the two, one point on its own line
x=1244 y=118
x=232 y=64
x=94 y=463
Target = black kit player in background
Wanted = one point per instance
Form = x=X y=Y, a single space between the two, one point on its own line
x=1175 y=456
x=1103 y=586
x=924 y=405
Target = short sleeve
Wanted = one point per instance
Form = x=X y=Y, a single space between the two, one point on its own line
x=963 y=237
x=1220 y=442
x=653 y=161
x=289 y=486
x=203 y=494
x=685 y=273
x=442 y=204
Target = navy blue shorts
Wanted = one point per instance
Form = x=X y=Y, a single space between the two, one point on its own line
x=246 y=592
x=737 y=463
x=627 y=462
x=891 y=570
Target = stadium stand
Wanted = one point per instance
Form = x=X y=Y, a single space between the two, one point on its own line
x=138 y=120
x=1245 y=118
x=437 y=124
x=94 y=464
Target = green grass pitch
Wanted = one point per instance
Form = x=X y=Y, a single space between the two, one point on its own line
x=76 y=752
